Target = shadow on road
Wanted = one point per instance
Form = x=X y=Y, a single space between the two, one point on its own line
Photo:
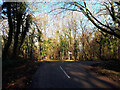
x=50 y=75
x=85 y=78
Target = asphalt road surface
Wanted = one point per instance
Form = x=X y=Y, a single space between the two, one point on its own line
x=69 y=75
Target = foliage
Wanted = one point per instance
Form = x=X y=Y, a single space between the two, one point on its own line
x=26 y=35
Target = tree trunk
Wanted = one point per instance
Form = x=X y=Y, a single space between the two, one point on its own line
x=15 y=48
x=7 y=45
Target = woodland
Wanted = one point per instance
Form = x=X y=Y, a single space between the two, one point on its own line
x=59 y=31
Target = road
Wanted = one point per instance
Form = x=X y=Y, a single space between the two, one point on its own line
x=69 y=75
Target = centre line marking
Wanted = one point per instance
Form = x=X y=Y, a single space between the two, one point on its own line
x=64 y=72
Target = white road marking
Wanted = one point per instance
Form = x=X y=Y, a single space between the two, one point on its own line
x=64 y=72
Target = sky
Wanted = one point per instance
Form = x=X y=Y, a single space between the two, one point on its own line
x=1 y=2
x=41 y=9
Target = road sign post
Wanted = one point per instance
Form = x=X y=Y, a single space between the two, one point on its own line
x=69 y=54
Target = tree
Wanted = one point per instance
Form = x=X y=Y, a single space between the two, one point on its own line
x=110 y=6
x=19 y=22
x=10 y=34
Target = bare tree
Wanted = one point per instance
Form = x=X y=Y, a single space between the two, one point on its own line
x=111 y=6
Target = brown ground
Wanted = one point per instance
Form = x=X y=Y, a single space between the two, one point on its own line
x=20 y=76
x=115 y=76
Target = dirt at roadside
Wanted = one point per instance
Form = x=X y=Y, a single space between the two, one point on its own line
x=19 y=77
x=108 y=69
x=115 y=76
